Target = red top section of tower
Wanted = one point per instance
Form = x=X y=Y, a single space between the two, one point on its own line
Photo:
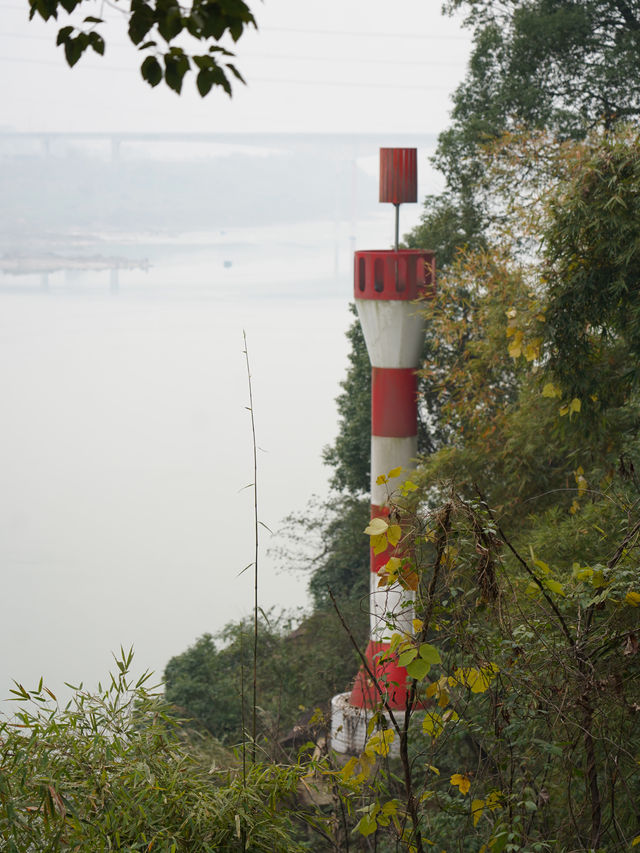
x=398 y=175
x=384 y=274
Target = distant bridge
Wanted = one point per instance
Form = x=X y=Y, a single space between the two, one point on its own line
x=352 y=144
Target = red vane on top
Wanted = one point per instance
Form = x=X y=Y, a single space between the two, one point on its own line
x=398 y=175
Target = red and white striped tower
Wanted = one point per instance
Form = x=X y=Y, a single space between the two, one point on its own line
x=387 y=283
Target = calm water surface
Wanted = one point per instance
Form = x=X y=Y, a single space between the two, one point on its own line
x=125 y=443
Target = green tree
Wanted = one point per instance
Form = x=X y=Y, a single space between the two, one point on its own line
x=592 y=270
x=349 y=455
x=153 y=27
x=301 y=665
x=565 y=66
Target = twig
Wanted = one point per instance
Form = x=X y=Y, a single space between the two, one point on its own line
x=401 y=732
x=529 y=571
x=621 y=547
x=255 y=562
x=365 y=664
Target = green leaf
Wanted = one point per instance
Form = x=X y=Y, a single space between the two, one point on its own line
x=176 y=66
x=367 y=825
x=63 y=35
x=74 y=48
x=97 y=43
x=204 y=82
x=408 y=656
x=429 y=653
x=151 y=70
x=170 y=25
x=140 y=21
x=418 y=669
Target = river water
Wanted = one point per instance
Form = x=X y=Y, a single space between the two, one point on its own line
x=125 y=443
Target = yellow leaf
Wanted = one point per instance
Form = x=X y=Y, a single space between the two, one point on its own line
x=515 y=347
x=635 y=841
x=477 y=807
x=381 y=479
x=554 y=586
x=395 y=472
x=493 y=800
x=544 y=567
x=633 y=598
x=417 y=625
x=581 y=573
x=380 y=742
x=433 y=769
x=379 y=544
x=477 y=680
x=389 y=572
x=348 y=771
x=532 y=349
x=575 y=405
x=461 y=782
x=376 y=527
x=511 y=313
x=443 y=699
x=394 y=534
x=575 y=506
x=432 y=724
x=393 y=564
x=408 y=486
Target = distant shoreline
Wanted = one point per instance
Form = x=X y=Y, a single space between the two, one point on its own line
x=50 y=263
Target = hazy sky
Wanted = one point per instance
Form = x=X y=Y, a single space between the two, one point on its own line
x=318 y=65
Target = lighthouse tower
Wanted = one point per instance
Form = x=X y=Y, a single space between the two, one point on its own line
x=387 y=283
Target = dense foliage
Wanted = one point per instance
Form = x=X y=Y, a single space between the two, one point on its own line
x=300 y=667
x=110 y=771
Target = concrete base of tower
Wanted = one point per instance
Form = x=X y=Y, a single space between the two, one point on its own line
x=349 y=726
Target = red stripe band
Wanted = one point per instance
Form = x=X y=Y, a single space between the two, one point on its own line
x=394 y=407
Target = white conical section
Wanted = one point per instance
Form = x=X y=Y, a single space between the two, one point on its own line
x=393 y=331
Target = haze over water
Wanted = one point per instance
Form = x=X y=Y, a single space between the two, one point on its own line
x=125 y=440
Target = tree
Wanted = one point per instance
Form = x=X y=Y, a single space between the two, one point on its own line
x=565 y=66
x=301 y=665
x=592 y=270
x=349 y=456
x=153 y=27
